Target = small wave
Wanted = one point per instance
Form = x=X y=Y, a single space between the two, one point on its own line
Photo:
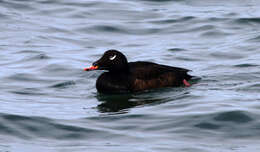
x=159 y=1
x=169 y=21
x=41 y=56
x=54 y=68
x=207 y=125
x=229 y=124
x=26 y=77
x=176 y=49
x=204 y=28
x=63 y=84
x=234 y=116
x=183 y=58
x=248 y=20
x=101 y=28
x=214 y=34
x=30 y=127
x=108 y=28
x=3 y=16
x=245 y=65
x=23 y=77
x=29 y=91
x=253 y=87
x=255 y=39
x=82 y=4
x=18 y=5
x=119 y=30
x=224 y=55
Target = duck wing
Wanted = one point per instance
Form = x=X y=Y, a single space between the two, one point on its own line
x=149 y=70
x=148 y=75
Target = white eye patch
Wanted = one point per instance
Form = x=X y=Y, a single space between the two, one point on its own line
x=112 y=57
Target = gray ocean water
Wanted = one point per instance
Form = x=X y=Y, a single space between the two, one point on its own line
x=48 y=103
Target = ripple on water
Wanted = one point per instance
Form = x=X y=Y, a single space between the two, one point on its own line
x=40 y=127
x=205 y=28
x=41 y=56
x=208 y=125
x=116 y=29
x=29 y=92
x=3 y=16
x=245 y=65
x=170 y=21
x=45 y=44
x=54 y=69
x=63 y=85
x=255 y=39
x=230 y=123
x=234 y=116
x=158 y=1
x=25 y=77
x=227 y=55
x=176 y=49
x=108 y=28
x=19 y=5
x=214 y=34
x=253 y=87
x=250 y=20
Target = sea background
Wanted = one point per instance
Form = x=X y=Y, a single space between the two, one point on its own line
x=48 y=103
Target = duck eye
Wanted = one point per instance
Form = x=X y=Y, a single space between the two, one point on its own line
x=112 y=57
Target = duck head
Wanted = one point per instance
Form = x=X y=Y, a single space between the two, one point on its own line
x=112 y=60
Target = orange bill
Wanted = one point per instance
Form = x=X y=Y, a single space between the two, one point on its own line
x=91 y=68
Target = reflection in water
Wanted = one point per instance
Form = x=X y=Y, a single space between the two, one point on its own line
x=115 y=103
x=120 y=103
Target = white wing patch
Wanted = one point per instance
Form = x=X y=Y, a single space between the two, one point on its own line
x=112 y=57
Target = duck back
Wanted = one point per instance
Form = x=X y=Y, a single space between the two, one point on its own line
x=148 y=75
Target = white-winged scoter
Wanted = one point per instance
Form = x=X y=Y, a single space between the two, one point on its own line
x=123 y=76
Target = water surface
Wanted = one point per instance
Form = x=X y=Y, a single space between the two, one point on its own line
x=48 y=103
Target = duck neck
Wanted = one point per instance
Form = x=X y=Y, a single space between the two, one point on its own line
x=121 y=70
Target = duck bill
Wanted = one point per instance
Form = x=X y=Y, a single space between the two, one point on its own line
x=91 y=68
